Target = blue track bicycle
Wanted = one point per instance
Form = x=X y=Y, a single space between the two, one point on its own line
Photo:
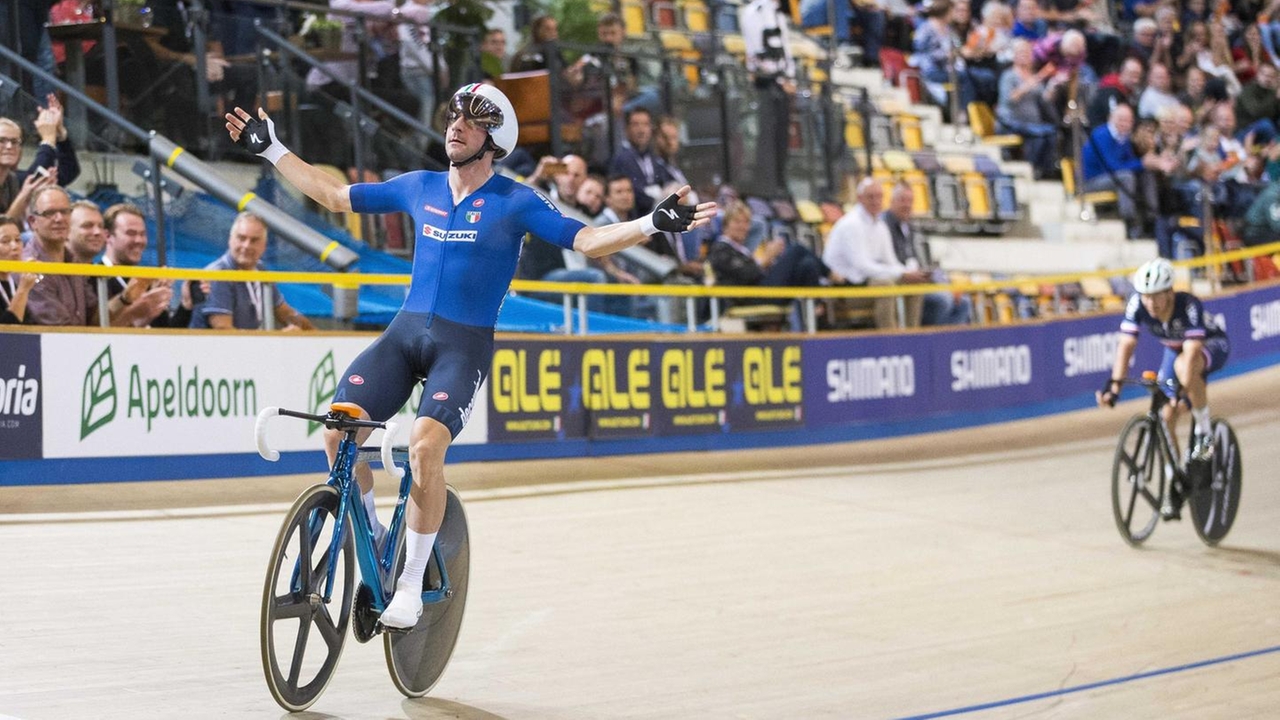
x=311 y=594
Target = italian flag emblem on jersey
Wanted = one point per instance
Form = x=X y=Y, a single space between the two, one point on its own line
x=473 y=217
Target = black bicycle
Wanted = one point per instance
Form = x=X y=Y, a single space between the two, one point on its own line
x=311 y=595
x=1147 y=471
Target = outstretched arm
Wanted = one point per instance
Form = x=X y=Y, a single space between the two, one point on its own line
x=259 y=136
x=669 y=216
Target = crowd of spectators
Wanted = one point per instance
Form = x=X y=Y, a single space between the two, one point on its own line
x=1179 y=104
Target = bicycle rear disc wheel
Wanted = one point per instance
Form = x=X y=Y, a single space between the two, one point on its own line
x=302 y=634
x=1214 y=504
x=1137 y=480
x=417 y=658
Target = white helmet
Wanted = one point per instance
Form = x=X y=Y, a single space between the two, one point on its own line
x=1153 y=277
x=487 y=107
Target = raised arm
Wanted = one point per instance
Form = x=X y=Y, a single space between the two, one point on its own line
x=671 y=215
x=259 y=136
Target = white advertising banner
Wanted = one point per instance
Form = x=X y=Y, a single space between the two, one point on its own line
x=130 y=395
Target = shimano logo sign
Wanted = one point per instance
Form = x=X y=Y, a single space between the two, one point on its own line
x=1265 y=320
x=990 y=368
x=872 y=378
x=1089 y=353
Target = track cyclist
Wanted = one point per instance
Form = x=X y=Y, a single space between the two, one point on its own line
x=471 y=223
x=1194 y=347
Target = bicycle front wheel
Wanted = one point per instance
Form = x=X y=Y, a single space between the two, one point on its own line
x=1137 y=480
x=1214 y=503
x=303 y=631
x=417 y=658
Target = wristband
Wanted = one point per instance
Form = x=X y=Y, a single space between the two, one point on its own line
x=274 y=152
x=646 y=225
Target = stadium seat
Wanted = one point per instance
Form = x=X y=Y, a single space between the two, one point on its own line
x=696 y=18
x=1098 y=197
x=910 y=132
x=530 y=94
x=983 y=123
x=633 y=18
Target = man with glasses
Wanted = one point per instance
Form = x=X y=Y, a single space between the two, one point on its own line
x=57 y=299
x=471 y=223
x=55 y=155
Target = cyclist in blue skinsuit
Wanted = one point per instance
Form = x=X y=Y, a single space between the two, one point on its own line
x=470 y=224
x=1194 y=347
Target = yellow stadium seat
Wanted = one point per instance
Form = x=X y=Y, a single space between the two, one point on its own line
x=809 y=212
x=977 y=195
x=898 y=161
x=696 y=17
x=983 y=123
x=912 y=135
x=922 y=202
x=633 y=17
x=853 y=135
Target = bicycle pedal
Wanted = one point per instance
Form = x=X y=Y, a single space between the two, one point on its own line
x=380 y=628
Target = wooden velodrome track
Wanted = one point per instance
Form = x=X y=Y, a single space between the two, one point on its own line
x=975 y=572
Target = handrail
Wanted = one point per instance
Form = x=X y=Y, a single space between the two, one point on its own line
x=163 y=150
x=345 y=280
x=287 y=47
x=395 y=16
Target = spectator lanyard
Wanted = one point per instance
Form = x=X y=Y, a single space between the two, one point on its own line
x=255 y=297
x=8 y=294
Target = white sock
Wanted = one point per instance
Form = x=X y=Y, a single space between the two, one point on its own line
x=378 y=530
x=417 y=551
x=1202 y=419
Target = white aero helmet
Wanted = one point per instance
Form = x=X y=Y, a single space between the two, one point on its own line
x=486 y=107
x=1153 y=277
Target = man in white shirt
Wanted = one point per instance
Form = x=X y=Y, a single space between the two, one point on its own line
x=860 y=248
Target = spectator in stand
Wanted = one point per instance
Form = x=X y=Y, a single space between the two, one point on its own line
x=58 y=299
x=544 y=38
x=240 y=305
x=1024 y=109
x=87 y=234
x=773 y=73
x=1201 y=94
x=55 y=154
x=1136 y=9
x=860 y=248
x=15 y=288
x=493 y=53
x=940 y=308
x=1121 y=88
x=994 y=37
x=147 y=301
x=634 y=79
x=1027 y=21
x=1159 y=93
x=1173 y=143
x=936 y=46
x=1261 y=222
x=637 y=160
x=1145 y=41
x=1257 y=105
x=866 y=14
x=1249 y=54
x=590 y=198
x=1067 y=52
x=559 y=178
x=776 y=263
x=1110 y=163
x=686 y=248
x=418 y=59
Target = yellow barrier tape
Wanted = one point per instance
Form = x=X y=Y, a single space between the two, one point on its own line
x=173 y=156
x=244 y=201
x=356 y=279
x=328 y=250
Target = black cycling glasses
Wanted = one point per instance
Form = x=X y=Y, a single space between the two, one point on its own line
x=475 y=109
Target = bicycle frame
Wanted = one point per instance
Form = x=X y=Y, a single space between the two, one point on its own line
x=375 y=571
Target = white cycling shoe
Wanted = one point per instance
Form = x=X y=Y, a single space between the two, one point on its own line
x=404 y=609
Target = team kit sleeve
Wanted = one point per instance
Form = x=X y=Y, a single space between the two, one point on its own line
x=1196 y=329
x=394 y=195
x=544 y=220
x=1129 y=325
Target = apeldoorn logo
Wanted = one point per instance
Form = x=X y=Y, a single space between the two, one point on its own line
x=1089 y=353
x=184 y=394
x=984 y=368
x=324 y=383
x=1265 y=320
x=21 y=394
x=871 y=378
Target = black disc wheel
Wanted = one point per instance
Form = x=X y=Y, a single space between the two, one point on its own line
x=1137 y=480
x=417 y=658
x=1215 y=499
x=302 y=631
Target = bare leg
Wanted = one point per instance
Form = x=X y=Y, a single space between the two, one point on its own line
x=427 y=446
x=1190 y=370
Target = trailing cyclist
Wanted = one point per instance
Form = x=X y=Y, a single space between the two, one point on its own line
x=1194 y=347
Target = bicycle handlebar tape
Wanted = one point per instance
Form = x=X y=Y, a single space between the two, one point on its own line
x=388 y=462
x=260 y=434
